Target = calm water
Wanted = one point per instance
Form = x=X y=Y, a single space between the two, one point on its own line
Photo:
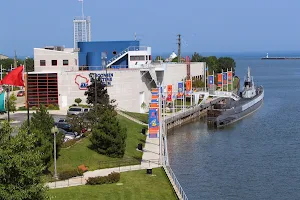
x=256 y=158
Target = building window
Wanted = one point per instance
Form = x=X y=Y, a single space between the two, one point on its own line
x=137 y=58
x=65 y=62
x=150 y=57
x=42 y=62
x=54 y=62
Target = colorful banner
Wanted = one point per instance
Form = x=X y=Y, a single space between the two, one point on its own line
x=169 y=93
x=211 y=80
x=2 y=101
x=224 y=78
x=180 y=90
x=188 y=86
x=229 y=77
x=153 y=122
x=220 y=80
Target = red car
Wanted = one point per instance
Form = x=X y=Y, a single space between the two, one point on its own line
x=20 y=93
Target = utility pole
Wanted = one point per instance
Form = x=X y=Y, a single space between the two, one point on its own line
x=179 y=48
x=103 y=57
x=27 y=102
x=15 y=60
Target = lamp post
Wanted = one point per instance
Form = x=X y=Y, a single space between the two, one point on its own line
x=104 y=57
x=54 y=131
x=27 y=103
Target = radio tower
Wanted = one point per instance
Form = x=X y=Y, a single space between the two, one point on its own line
x=82 y=28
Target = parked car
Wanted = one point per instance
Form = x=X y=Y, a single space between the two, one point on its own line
x=21 y=93
x=63 y=125
x=75 y=110
x=69 y=135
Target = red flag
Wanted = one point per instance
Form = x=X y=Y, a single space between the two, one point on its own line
x=15 y=77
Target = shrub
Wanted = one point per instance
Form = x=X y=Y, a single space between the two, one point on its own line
x=70 y=174
x=78 y=101
x=53 y=107
x=33 y=108
x=86 y=134
x=110 y=178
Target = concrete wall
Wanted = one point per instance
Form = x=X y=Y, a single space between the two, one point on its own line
x=128 y=88
x=49 y=55
x=176 y=72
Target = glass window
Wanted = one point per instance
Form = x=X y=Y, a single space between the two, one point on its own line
x=75 y=109
x=42 y=62
x=54 y=62
x=65 y=62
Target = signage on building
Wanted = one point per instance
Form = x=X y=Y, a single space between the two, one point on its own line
x=82 y=82
x=106 y=77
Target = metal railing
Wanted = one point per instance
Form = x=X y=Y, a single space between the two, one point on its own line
x=137 y=48
x=176 y=182
x=94 y=68
x=118 y=56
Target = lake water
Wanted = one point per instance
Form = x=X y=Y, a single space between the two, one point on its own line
x=255 y=158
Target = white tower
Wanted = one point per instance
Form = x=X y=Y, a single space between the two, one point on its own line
x=82 y=28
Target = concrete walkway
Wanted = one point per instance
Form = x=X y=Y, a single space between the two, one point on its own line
x=150 y=159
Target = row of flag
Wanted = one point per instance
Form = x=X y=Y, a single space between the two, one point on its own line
x=224 y=78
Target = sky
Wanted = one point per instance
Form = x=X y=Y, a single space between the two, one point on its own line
x=205 y=26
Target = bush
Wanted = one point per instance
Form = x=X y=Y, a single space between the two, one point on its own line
x=86 y=134
x=53 y=107
x=70 y=174
x=33 y=108
x=113 y=177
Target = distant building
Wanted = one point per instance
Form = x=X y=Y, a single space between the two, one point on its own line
x=82 y=30
x=2 y=57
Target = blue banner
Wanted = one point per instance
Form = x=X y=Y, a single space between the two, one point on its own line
x=180 y=90
x=224 y=76
x=211 y=80
x=153 y=118
x=2 y=102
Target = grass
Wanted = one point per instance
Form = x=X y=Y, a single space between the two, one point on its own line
x=139 y=116
x=136 y=185
x=80 y=153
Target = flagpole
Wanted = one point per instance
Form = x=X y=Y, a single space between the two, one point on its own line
x=205 y=77
x=231 y=80
x=227 y=79
x=27 y=102
x=222 y=79
x=214 y=80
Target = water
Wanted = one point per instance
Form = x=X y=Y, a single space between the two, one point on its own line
x=255 y=158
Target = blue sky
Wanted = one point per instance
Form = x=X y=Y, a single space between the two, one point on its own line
x=205 y=26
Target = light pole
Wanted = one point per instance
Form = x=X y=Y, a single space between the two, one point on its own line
x=54 y=131
x=27 y=103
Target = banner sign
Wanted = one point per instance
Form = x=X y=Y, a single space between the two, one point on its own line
x=2 y=102
x=220 y=80
x=169 y=93
x=211 y=80
x=229 y=77
x=153 y=122
x=188 y=86
x=224 y=78
x=180 y=90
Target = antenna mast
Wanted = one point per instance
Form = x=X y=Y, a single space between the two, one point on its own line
x=179 y=49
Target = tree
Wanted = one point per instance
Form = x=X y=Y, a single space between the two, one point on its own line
x=40 y=127
x=226 y=63
x=78 y=101
x=21 y=167
x=77 y=122
x=12 y=103
x=102 y=95
x=108 y=137
x=196 y=57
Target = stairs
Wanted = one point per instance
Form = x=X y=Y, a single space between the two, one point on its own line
x=153 y=76
x=117 y=57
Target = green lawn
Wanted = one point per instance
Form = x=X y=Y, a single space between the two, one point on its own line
x=139 y=116
x=80 y=153
x=136 y=185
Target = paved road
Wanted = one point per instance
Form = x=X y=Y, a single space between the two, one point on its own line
x=19 y=118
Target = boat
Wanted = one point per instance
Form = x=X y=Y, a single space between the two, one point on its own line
x=230 y=110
